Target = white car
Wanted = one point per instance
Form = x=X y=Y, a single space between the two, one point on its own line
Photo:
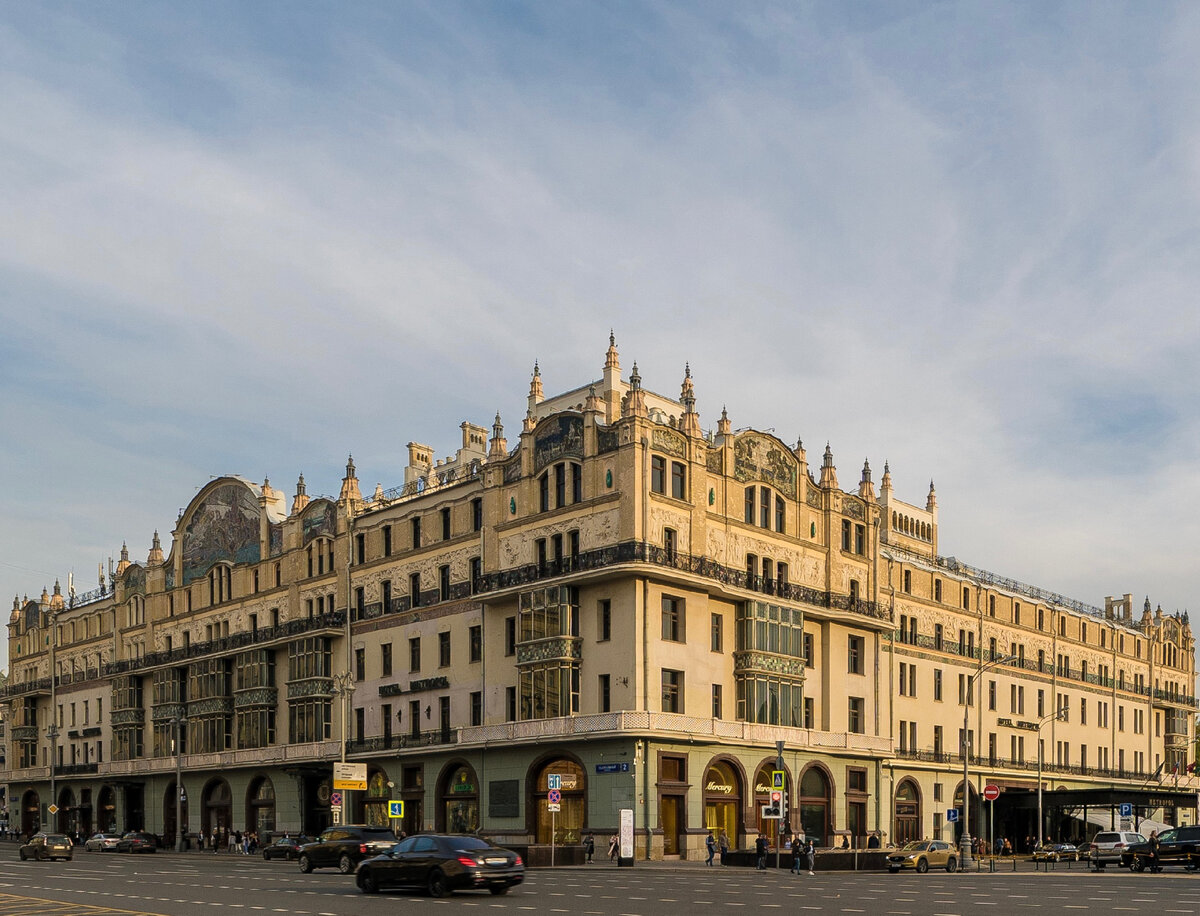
x=1108 y=846
x=102 y=842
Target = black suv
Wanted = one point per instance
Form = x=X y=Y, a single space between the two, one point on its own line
x=344 y=847
x=1180 y=846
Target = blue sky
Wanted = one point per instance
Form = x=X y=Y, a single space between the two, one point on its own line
x=253 y=238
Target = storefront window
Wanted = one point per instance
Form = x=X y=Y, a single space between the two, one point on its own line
x=375 y=805
x=722 y=799
x=565 y=825
x=461 y=801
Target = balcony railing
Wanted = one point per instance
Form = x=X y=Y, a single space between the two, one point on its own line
x=642 y=552
x=401 y=742
x=1048 y=767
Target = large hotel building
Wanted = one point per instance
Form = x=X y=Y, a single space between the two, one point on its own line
x=646 y=609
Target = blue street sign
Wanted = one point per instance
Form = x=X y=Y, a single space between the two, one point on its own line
x=952 y=816
x=395 y=809
x=554 y=781
x=612 y=768
x=1126 y=810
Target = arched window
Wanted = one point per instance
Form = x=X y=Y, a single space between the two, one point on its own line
x=375 y=805
x=567 y=824
x=908 y=813
x=260 y=806
x=460 y=801
x=815 y=803
x=722 y=801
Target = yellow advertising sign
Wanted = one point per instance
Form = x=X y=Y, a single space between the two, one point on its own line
x=351 y=776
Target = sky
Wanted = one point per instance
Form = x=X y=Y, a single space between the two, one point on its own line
x=254 y=238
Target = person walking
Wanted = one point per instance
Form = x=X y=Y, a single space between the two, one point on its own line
x=810 y=856
x=797 y=854
x=723 y=846
x=589 y=847
x=1154 y=844
x=614 y=843
x=760 y=850
x=710 y=846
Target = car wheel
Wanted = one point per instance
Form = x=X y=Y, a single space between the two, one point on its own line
x=498 y=890
x=266 y=858
x=367 y=884
x=305 y=865
x=23 y=856
x=1137 y=865
x=345 y=866
x=437 y=883
x=952 y=865
x=922 y=866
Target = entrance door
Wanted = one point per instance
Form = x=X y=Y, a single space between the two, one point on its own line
x=672 y=805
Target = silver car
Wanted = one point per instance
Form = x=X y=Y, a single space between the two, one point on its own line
x=1109 y=845
x=102 y=842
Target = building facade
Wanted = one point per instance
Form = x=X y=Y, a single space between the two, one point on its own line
x=644 y=609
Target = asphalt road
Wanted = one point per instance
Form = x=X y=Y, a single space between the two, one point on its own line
x=106 y=884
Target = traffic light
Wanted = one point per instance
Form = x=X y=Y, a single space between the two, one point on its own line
x=773 y=809
x=783 y=807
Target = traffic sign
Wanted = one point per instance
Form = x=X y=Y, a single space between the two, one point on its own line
x=395 y=809
x=777 y=778
x=53 y=809
x=554 y=796
x=554 y=806
x=350 y=776
x=554 y=781
x=1126 y=810
x=991 y=792
x=335 y=799
x=952 y=816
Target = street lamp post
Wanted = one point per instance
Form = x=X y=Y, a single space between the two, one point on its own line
x=343 y=686
x=180 y=723
x=965 y=842
x=1058 y=714
x=52 y=731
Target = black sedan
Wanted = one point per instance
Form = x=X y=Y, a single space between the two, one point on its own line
x=442 y=865
x=286 y=847
x=137 y=841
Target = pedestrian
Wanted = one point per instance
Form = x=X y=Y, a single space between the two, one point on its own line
x=1007 y=850
x=760 y=850
x=589 y=846
x=723 y=846
x=873 y=841
x=1154 y=844
x=613 y=844
x=797 y=854
x=810 y=856
x=710 y=846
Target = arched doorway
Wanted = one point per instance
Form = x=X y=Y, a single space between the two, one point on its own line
x=67 y=819
x=106 y=810
x=567 y=824
x=459 y=810
x=762 y=798
x=375 y=805
x=217 y=807
x=723 y=800
x=815 y=803
x=908 y=813
x=31 y=813
x=170 y=828
x=260 y=807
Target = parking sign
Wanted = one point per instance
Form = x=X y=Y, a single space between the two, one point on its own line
x=1126 y=810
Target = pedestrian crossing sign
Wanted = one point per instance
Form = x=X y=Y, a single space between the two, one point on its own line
x=395 y=809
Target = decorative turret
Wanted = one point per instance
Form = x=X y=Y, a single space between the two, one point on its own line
x=56 y=600
x=528 y=423
x=635 y=401
x=1147 y=615
x=885 y=485
x=300 y=500
x=535 y=388
x=724 y=427
x=931 y=499
x=155 y=557
x=865 y=488
x=350 y=494
x=611 y=392
x=498 y=445
x=828 y=471
x=690 y=423
x=801 y=456
x=592 y=403
x=124 y=562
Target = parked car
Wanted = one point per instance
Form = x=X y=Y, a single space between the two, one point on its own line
x=344 y=847
x=285 y=847
x=102 y=842
x=1180 y=846
x=923 y=855
x=1109 y=846
x=442 y=864
x=47 y=846
x=1056 y=852
x=137 y=841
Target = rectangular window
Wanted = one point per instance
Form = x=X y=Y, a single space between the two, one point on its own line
x=669 y=536
x=385 y=596
x=855 y=721
x=678 y=480
x=510 y=704
x=385 y=659
x=445 y=524
x=992 y=696
x=444 y=650
x=476 y=707
x=560 y=485
x=672 y=619
x=415 y=525
x=360 y=664
x=907 y=586
x=544 y=492
x=658 y=474
x=414 y=654
x=414 y=589
x=750 y=491
x=780 y=513
x=717 y=634
x=860 y=539
x=576 y=483
x=604 y=697
x=477 y=514
x=937 y=683
x=854 y=651
x=809 y=658
x=716 y=701
x=672 y=690
x=475 y=634
x=510 y=635
x=476 y=573
x=443 y=583
x=846 y=530
x=360 y=548
x=414 y=718
x=764 y=508
x=809 y=712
